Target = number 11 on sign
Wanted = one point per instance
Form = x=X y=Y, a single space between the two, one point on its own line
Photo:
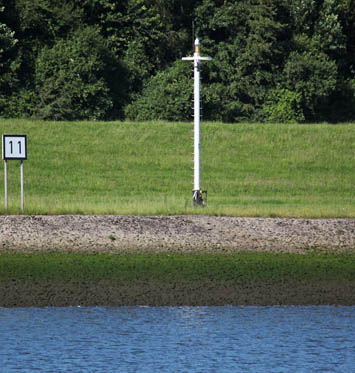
x=14 y=147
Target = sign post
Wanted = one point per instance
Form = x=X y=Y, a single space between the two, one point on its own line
x=14 y=147
x=197 y=194
x=5 y=175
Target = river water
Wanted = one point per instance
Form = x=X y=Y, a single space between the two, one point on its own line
x=178 y=339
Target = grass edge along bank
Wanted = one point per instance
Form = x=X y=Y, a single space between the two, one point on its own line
x=260 y=170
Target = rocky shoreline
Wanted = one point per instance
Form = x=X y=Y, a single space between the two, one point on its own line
x=183 y=234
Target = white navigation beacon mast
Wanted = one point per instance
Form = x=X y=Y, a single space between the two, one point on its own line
x=197 y=194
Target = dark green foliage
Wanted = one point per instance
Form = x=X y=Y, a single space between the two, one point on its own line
x=167 y=96
x=8 y=62
x=283 y=106
x=72 y=79
x=7 y=42
x=42 y=22
x=318 y=47
x=313 y=75
x=272 y=60
x=242 y=38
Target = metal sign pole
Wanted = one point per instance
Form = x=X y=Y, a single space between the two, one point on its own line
x=5 y=175
x=22 y=188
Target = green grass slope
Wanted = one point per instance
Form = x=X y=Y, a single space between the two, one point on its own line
x=147 y=168
x=173 y=279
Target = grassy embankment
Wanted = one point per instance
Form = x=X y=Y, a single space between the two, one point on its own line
x=73 y=279
x=146 y=168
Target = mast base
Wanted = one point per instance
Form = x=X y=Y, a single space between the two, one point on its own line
x=199 y=198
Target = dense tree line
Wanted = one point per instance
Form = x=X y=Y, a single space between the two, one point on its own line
x=273 y=60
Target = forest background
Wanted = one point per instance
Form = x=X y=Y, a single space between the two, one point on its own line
x=273 y=60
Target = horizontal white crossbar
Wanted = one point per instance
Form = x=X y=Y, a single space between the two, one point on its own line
x=197 y=58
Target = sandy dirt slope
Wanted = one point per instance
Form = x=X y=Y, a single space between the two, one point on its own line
x=108 y=233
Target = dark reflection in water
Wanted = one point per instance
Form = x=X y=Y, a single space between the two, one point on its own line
x=178 y=339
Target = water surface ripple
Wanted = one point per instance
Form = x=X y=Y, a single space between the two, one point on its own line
x=178 y=339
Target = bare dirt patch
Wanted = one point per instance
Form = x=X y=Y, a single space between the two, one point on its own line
x=155 y=293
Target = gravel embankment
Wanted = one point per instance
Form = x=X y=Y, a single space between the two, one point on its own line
x=121 y=234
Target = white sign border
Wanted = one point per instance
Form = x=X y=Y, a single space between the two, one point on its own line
x=9 y=158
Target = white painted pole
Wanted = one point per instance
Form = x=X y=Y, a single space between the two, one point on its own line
x=22 y=188
x=196 y=59
x=197 y=116
x=5 y=175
